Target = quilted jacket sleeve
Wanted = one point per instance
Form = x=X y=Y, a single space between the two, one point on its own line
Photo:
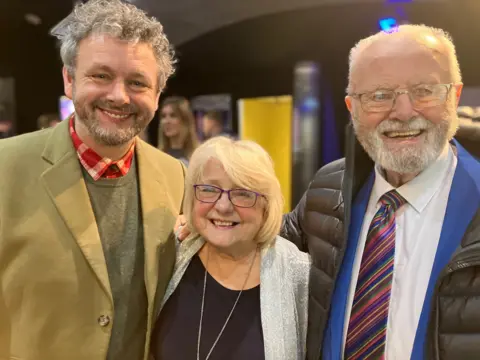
x=292 y=225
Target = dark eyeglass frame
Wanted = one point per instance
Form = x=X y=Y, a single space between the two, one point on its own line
x=396 y=93
x=228 y=192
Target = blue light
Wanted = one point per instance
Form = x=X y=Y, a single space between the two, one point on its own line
x=387 y=24
x=310 y=104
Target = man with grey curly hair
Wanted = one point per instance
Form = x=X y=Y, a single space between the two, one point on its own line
x=105 y=33
x=86 y=243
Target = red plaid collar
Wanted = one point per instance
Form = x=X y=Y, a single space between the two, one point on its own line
x=97 y=166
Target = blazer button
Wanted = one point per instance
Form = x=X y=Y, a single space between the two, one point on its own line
x=103 y=320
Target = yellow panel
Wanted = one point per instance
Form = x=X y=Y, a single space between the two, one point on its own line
x=267 y=121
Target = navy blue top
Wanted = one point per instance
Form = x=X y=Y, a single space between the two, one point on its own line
x=176 y=331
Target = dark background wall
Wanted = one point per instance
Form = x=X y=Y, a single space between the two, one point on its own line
x=30 y=55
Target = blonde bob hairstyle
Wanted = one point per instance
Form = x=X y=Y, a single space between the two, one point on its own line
x=250 y=167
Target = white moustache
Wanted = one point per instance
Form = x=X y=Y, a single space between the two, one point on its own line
x=417 y=124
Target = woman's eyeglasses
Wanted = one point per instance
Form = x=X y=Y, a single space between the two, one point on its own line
x=238 y=197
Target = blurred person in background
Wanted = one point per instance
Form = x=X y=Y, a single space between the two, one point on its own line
x=213 y=125
x=86 y=207
x=5 y=129
x=6 y=125
x=239 y=291
x=48 y=120
x=177 y=135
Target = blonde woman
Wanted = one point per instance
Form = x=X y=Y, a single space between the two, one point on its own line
x=238 y=291
x=177 y=135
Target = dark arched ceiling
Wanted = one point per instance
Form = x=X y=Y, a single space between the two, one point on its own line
x=185 y=20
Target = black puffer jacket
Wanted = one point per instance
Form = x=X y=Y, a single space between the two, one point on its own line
x=319 y=225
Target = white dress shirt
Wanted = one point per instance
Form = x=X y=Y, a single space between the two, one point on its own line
x=418 y=227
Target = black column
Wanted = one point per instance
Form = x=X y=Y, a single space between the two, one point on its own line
x=305 y=127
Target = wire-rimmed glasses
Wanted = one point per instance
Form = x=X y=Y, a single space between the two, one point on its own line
x=422 y=96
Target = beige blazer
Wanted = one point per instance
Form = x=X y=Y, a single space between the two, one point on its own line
x=55 y=298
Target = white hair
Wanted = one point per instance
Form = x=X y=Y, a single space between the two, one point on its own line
x=250 y=167
x=118 y=19
x=413 y=31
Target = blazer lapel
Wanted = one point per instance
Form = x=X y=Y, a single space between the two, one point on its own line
x=464 y=200
x=158 y=229
x=463 y=203
x=65 y=185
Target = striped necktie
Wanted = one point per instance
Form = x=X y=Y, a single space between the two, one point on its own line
x=367 y=328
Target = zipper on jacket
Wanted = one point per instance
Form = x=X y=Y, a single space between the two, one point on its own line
x=461 y=264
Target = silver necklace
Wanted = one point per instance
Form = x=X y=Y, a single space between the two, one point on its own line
x=229 y=315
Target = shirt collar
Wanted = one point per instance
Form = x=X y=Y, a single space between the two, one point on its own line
x=96 y=165
x=419 y=191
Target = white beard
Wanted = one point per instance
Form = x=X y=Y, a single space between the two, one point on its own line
x=408 y=160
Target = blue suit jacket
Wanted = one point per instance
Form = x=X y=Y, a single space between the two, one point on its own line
x=463 y=202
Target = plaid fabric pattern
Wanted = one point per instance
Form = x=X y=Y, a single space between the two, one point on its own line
x=367 y=329
x=97 y=166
